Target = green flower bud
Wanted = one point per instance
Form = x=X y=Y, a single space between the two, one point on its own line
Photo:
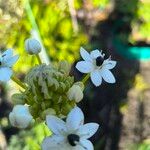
x=49 y=111
x=32 y=46
x=64 y=66
x=18 y=99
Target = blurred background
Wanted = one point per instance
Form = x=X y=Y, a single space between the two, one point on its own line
x=120 y=28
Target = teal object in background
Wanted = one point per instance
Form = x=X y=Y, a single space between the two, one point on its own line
x=133 y=52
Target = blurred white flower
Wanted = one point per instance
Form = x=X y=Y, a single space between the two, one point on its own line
x=7 y=60
x=20 y=116
x=75 y=93
x=32 y=46
x=69 y=135
x=98 y=67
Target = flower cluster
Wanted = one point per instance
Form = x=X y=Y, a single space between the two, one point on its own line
x=49 y=94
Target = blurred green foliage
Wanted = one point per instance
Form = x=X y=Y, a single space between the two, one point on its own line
x=56 y=30
x=136 y=14
x=142 y=21
x=141 y=146
x=100 y=3
x=29 y=139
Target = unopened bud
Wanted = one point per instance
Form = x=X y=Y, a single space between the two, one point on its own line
x=32 y=46
x=64 y=66
x=75 y=93
x=20 y=116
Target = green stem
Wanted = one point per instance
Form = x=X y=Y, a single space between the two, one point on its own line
x=39 y=59
x=85 y=78
x=15 y=79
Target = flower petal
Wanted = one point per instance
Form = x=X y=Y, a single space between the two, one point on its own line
x=9 y=62
x=87 y=130
x=5 y=74
x=78 y=147
x=53 y=142
x=107 y=76
x=85 y=66
x=85 y=55
x=96 y=78
x=109 y=64
x=87 y=145
x=56 y=125
x=96 y=53
x=7 y=54
x=75 y=119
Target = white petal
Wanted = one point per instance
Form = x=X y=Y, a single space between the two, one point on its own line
x=79 y=147
x=84 y=66
x=7 y=54
x=96 y=53
x=75 y=119
x=85 y=55
x=5 y=74
x=96 y=78
x=56 y=125
x=109 y=64
x=107 y=76
x=9 y=62
x=87 y=130
x=52 y=143
x=87 y=144
x=20 y=121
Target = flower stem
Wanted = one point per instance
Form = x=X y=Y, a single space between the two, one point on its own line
x=85 y=78
x=15 y=79
x=39 y=59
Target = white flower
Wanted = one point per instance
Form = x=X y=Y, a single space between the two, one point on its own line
x=32 y=46
x=20 y=116
x=7 y=60
x=75 y=93
x=95 y=64
x=69 y=135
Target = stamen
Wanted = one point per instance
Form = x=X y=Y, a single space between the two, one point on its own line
x=99 y=61
x=3 y=55
x=73 y=139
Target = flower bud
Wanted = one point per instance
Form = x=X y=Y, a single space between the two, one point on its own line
x=64 y=66
x=20 y=116
x=32 y=46
x=75 y=93
x=18 y=99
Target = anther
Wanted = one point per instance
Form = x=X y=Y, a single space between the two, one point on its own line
x=72 y=139
x=99 y=61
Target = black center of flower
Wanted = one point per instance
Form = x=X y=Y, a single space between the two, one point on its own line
x=72 y=139
x=99 y=61
x=3 y=55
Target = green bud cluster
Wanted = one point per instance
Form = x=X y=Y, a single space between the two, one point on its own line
x=46 y=91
